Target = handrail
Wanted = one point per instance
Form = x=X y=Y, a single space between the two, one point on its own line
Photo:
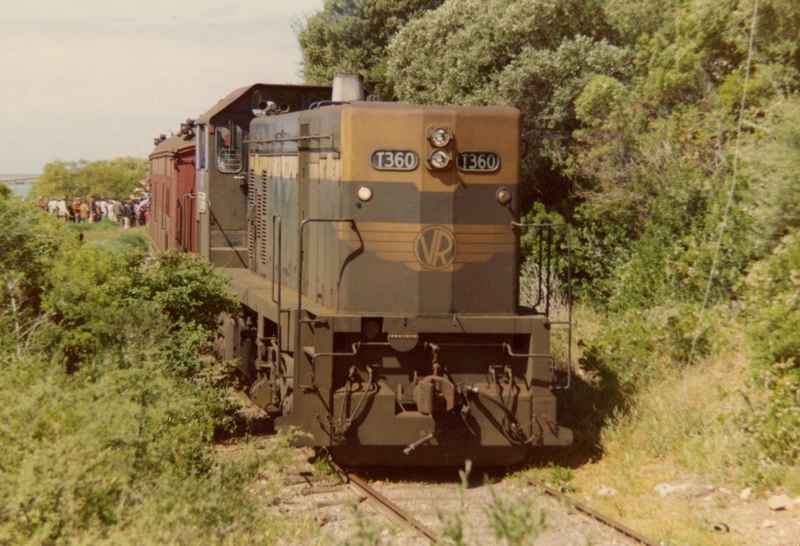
x=280 y=277
x=300 y=269
x=330 y=137
x=549 y=357
x=179 y=235
x=568 y=322
x=185 y=221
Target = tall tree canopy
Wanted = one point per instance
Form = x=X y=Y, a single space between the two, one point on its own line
x=535 y=55
x=351 y=36
x=655 y=156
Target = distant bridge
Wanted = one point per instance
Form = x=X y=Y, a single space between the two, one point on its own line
x=19 y=185
x=18 y=181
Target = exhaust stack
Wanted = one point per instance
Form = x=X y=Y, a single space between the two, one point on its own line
x=347 y=88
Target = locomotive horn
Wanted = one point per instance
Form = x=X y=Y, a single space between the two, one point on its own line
x=265 y=108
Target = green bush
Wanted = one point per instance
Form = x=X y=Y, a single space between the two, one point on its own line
x=516 y=521
x=104 y=303
x=638 y=344
x=601 y=245
x=117 y=446
x=774 y=164
x=127 y=454
x=90 y=307
x=628 y=352
x=30 y=242
x=182 y=356
x=774 y=336
x=187 y=288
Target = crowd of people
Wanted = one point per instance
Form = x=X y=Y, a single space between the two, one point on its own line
x=134 y=211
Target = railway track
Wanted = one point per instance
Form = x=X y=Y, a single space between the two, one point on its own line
x=385 y=506
x=396 y=513
x=602 y=518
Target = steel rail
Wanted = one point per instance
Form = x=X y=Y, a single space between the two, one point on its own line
x=391 y=510
x=602 y=518
x=384 y=505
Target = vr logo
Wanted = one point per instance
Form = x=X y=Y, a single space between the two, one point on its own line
x=435 y=247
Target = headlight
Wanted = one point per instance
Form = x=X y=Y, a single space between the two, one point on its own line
x=364 y=193
x=503 y=196
x=439 y=159
x=440 y=137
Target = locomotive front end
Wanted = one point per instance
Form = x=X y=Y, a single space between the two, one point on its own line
x=433 y=191
x=409 y=344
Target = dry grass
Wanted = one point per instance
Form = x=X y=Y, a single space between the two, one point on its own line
x=683 y=430
x=689 y=417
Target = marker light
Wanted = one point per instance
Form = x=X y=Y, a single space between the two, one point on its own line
x=503 y=196
x=439 y=159
x=364 y=193
x=440 y=137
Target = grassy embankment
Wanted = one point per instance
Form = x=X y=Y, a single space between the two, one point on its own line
x=645 y=417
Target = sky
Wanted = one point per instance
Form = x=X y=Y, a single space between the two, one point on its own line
x=99 y=79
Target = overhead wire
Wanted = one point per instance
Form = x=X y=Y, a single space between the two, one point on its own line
x=733 y=184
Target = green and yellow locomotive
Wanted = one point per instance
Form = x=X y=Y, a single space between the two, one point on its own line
x=374 y=247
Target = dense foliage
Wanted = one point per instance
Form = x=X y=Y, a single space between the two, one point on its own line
x=773 y=166
x=109 y=407
x=775 y=337
x=118 y=177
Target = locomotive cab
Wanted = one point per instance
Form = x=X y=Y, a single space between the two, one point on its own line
x=221 y=193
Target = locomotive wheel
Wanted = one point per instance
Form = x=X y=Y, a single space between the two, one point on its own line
x=263 y=395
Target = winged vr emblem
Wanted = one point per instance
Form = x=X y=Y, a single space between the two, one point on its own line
x=435 y=247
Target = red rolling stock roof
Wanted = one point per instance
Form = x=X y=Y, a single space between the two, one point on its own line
x=173 y=145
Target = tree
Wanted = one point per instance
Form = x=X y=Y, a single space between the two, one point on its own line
x=351 y=36
x=534 y=55
x=655 y=153
x=115 y=178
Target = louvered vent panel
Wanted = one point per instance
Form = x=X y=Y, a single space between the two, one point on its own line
x=262 y=218
x=251 y=226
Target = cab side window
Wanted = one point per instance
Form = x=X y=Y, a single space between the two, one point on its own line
x=229 y=147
